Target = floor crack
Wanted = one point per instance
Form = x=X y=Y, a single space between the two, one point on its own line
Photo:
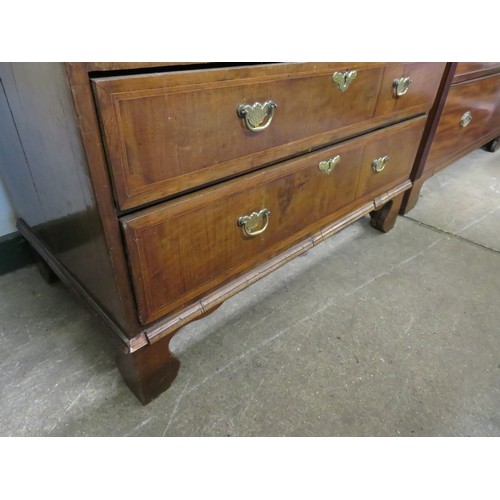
x=449 y=233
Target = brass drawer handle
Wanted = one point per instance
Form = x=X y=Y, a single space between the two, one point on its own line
x=466 y=119
x=401 y=86
x=343 y=79
x=327 y=166
x=257 y=114
x=379 y=164
x=250 y=222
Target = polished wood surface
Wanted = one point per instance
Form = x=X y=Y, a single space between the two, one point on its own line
x=400 y=143
x=479 y=97
x=469 y=87
x=384 y=219
x=425 y=79
x=360 y=208
x=473 y=70
x=149 y=371
x=182 y=249
x=171 y=132
x=43 y=162
x=143 y=174
x=89 y=132
x=411 y=196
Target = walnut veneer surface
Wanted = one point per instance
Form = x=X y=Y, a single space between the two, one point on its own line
x=158 y=190
x=467 y=117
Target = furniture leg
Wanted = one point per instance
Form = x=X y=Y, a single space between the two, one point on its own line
x=46 y=272
x=411 y=196
x=493 y=145
x=150 y=370
x=384 y=218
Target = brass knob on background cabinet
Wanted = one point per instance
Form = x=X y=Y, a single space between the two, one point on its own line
x=466 y=119
x=252 y=221
x=257 y=116
x=401 y=86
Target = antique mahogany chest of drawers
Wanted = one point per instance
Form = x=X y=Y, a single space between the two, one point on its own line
x=158 y=190
x=466 y=116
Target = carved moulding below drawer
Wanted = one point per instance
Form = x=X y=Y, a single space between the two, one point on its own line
x=181 y=250
x=172 y=322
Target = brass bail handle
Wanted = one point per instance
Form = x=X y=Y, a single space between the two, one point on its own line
x=250 y=222
x=401 y=85
x=327 y=166
x=257 y=116
x=379 y=163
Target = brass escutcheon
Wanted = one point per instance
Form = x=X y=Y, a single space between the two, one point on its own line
x=327 y=166
x=379 y=164
x=466 y=119
x=257 y=116
x=401 y=86
x=343 y=79
x=252 y=221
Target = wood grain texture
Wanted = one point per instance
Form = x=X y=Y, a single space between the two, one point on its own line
x=480 y=97
x=171 y=132
x=384 y=218
x=433 y=121
x=411 y=196
x=48 y=176
x=102 y=190
x=465 y=87
x=169 y=137
x=149 y=371
x=173 y=322
x=422 y=91
x=400 y=143
x=472 y=70
x=183 y=249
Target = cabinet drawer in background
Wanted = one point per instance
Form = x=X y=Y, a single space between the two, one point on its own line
x=168 y=133
x=182 y=249
x=472 y=70
x=455 y=133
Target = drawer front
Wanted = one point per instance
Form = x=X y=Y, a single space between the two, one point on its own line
x=494 y=121
x=386 y=162
x=185 y=248
x=455 y=133
x=472 y=70
x=172 y=132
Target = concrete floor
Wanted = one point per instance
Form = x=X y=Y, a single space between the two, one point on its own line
x=370 y=334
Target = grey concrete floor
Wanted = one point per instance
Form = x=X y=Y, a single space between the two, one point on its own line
x=369 y=334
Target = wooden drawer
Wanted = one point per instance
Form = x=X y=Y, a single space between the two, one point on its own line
x=182 y=249
x=494 y=121
x=393 y=153
x=172 y=132
x=479 y=97
x=473 y=70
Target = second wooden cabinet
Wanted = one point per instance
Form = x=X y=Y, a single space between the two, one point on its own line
x=467 y=117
